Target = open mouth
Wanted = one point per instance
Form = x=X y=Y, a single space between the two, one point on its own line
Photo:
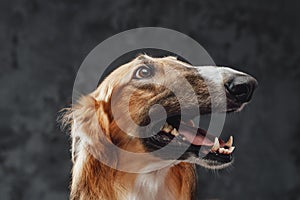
x=198 y=142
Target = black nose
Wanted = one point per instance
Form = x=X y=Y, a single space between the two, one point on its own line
x=241 y=87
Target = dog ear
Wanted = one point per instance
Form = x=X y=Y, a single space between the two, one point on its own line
x=89 y=120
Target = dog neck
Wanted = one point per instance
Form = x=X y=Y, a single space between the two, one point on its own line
x=151 y=186
x=93 y=180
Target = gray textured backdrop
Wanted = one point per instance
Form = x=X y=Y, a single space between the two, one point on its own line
x=43 y=43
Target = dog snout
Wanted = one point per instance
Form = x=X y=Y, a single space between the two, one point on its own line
x=241 y=87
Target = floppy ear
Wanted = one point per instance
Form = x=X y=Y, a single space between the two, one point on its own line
x=89 y=120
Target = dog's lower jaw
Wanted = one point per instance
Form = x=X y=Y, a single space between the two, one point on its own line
x=89 y=182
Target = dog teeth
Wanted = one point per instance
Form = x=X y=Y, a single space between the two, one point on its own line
x=231 y=149
x=216 y=145
x=167 y=128
x=229 y=142
x=166 y=125
x=174 y=132
x=226 y=151
x=221 y=150
x=228 y=146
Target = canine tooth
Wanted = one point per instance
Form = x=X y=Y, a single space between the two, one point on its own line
x=229 y=142
x=216 y=145
x=231 y=149
x=174 y=132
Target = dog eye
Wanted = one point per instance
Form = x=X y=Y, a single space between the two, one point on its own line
x=143 y=72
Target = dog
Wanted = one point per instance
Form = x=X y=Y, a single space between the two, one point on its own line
x=131 y=91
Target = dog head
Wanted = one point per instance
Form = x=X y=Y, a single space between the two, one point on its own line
x=124 y=102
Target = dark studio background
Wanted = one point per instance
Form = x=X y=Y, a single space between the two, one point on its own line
x=42 y=44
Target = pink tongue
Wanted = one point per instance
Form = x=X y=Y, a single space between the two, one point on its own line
x=196 y=139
